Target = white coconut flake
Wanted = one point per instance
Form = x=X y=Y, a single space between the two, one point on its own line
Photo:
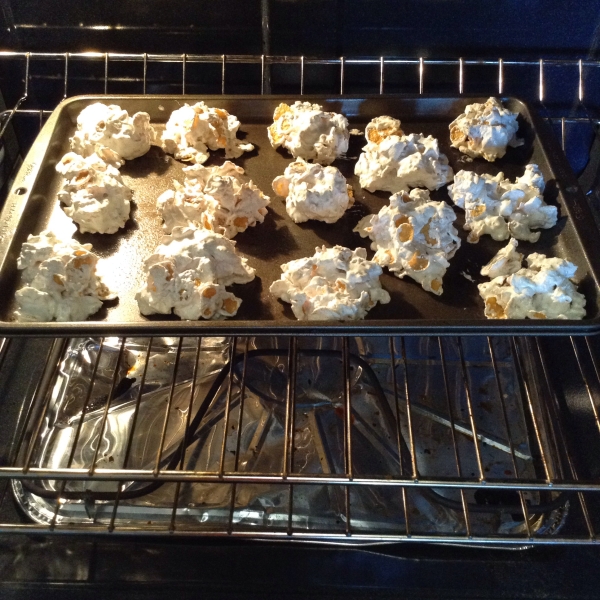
x=335 y=284
x=192 y=131
x=543 y=290
x=314 y=192
x=93 y=192
x=309 y=133
x=60 y=280
x=220 y=199
x=497 y=207
x=393 y=162
x=109 y=125
x=187 y=274
x=506 y=262
x=485 y=130
x=413 y=236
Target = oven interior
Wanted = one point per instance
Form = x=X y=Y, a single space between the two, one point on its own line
x=486 y=442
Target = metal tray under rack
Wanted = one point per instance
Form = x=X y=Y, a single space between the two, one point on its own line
x=31 y=206
x=340 y=440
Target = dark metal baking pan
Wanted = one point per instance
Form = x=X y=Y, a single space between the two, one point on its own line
x=32 y=206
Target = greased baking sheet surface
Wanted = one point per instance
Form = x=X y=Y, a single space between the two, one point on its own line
x=279 y=239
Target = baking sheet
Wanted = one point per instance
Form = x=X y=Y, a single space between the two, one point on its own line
x=32 y=207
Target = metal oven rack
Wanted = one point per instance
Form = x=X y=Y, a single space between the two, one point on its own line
x=548 y=494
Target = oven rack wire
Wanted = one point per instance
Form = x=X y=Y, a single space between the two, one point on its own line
x=559 y=478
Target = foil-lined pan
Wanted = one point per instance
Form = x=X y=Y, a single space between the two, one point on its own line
x=114 y=399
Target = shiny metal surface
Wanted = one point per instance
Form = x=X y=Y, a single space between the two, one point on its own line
x=316 y=459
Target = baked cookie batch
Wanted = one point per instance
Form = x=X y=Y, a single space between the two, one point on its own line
x=411 y=236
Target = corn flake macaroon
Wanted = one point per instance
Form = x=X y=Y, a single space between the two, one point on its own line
x=93 y=192
x=392 y=161
x=543 y=290
x=111 y=126
x=220 y=199
x=192 y=131
x=485 y=130
x=60 y=280
x=308 y=132
x=497 y=207
x=413 y=236
x=314 y=192
x=187 y=274
x=335 y=284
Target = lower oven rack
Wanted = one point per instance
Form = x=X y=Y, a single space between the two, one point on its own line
x=540 y=499
x=528 y=415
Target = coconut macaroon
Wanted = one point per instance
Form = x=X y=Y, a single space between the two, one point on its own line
x=60 y=280
x=335 y=284
x=485 y=130
x=93 y=192
x=192 y=131
x=109 y=125
x=314 y=192
x=413 y=236
x=220 y=199
x=506 y=261
x=187 y=274
x=308 y=132
x=392 y=161
x=497 y=207
x=543 y=290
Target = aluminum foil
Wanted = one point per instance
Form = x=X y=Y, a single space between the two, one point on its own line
x=104 y=420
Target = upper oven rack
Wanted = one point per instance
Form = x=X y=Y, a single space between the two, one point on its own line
x=62 y=67
x=28 y=107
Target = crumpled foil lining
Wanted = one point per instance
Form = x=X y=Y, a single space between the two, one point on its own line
x=318 y=445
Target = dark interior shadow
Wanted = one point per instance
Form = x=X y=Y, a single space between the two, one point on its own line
x=169 y=317
x=551 y=193
x=288 y=313
x=154 y=162
x=398 y=307
x=522 y=154
x=355 y=146
x=589 y=288
x=241 y=160
x=267 y=240
x=284 y=152
x=10 y=281
x=441 y=195
x=356 y=212
x=242 y=135
x=339 y=233
x=102 y=314
x=345 y=166
x=253 y=307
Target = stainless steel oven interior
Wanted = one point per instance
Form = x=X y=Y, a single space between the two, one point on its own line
x=351 y=440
